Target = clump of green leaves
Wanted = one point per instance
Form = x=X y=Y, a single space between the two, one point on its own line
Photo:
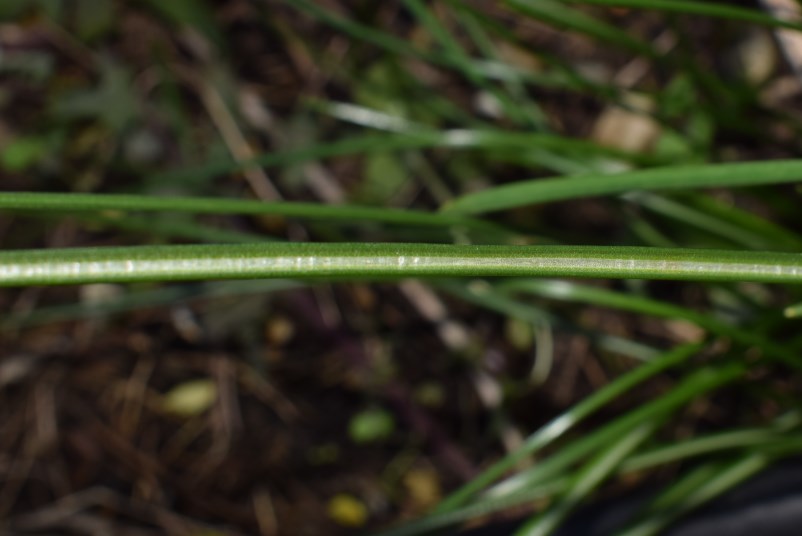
x=457 y=162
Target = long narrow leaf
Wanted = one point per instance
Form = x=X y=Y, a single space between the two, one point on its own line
x=567 y=420
x=697 y=488
x=657 y=410
x=551 y=12
x=304 y=260
x=544 y=190
x=489 y=297
x=587 y=479
x=456 y=139
x=142 y=299
x=73 y=202
x=716 y=443
x=707 y=8
x=775 y=434
x=564 y=290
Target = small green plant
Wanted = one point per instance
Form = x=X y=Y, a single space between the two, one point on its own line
x=676 y=217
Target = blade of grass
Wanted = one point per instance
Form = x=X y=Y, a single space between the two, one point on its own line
x=307 y=260
x=486 y=506
x=521 y=108
x=710 y=9
x=73 y=202
x=457 y=139
x=182 y=229
x=586 y=480
x=553 y=13
x=359 y=31
x=483 y=294
x=671 y=178
x=559 y=74
x=172 y=229
x=418 y=225
x=774 y=235
x=690 y=216
x=461 y=57
x=569 y=291
x=660 y=456
x=401 y=47
x=364 y=116
x=646 y=232
x=561 y=424
x=143 y=299
x=714 y=443
x=393 y=44
x=197 y=15
x=658 y=410
x=685 y=486
x=563 y=77
x=488 y=297
x=707 y=482
x=697 y=488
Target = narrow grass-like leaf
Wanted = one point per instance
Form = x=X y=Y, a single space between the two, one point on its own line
x=171 y=229
x=74 y=202
x=561 y=424
x=710 y=9
x=560 y=73
x=570 y=291
x=690 y=216
x=487 y=140
x=660 y=456
x=697 y=488
x=564 y=290
x=714 y=443
x=486 y=506
x=519 y=107
x=485 y=295
x=469 y=68
x=488 y=297
x=552 y=12
x=655 y=411
x=686 y=485
x=452 y=47
x=359 y=31
x=143 y=299
x=774 y=235
x=305 y=260
x=672 y=178
x=586 y=480
x=396 y=45
x=400 y=47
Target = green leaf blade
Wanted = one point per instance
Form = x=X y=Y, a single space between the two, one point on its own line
x=674 y=178
x=316 y=260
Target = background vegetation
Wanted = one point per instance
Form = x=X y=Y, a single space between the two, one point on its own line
x=335 y=405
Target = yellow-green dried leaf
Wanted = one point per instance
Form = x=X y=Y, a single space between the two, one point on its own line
x=190 y=398
x=347 y=511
